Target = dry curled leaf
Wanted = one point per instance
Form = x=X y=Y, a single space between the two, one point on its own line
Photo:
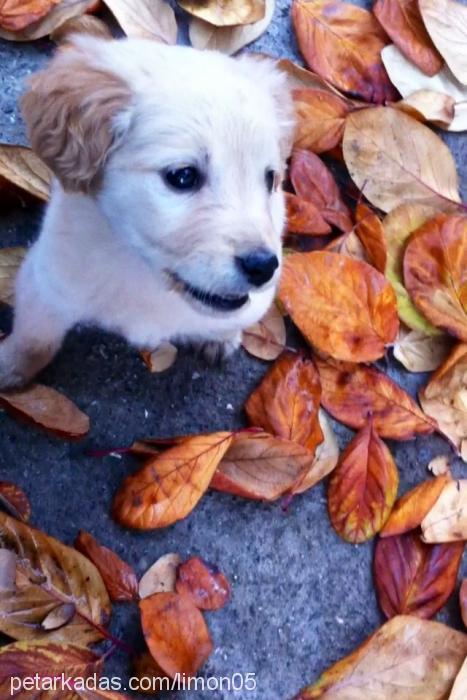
x=363 y=487
x=342 y=43
x=20 y=166
x=47 y=409
x=446 y=21
x=303 y=217
x=10 y=261
x=412 y=507
x=31 y=27
x=430 y=106
x=146 y=19
x=320 y=119
x=203 y=583
x=161 y=358
x=170 y=484
x=343 y=307
x=286 y=402
x=352 y=393
x=414 y=578
x=447 y=519
x=175 y=632
x=435 y=272
x=370 y=231
x=406 y=659
x=419 y=351
x=402 y=21
x=266 y=339
x=313 y=182
x=161 y=576
x=325 y=459
x=390 y=157
x=14 y=500
x=49 y=573
x=118 y=576
x=226 y=12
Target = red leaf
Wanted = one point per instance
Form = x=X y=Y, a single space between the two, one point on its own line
x=410 y=510
x=203 y=583
x=320 y=119
x=303 y=217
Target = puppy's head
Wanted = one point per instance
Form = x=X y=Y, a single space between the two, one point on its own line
x=184 y=152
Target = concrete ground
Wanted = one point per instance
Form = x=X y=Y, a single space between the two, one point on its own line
x=302 y=598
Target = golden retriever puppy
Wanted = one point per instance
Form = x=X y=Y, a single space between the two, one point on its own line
x=166 y=214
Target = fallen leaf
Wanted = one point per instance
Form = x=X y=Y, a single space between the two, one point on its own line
x=402 y=21
x=175 y=632
x=350 y=245
x=83 y=24
x=229 y=40
x=10 y=261
x=389 y=156
x=325 y=459
x=262 y=467
x=342 y=43
x=49 y=573
x=363 y=487
x=14 y=500
x=414 y=578
x=446 y=22
x=266 y=339
x=439 y=465
x=302 y=217
x=20 y=166
x=161 y=576
x=463 y=601
x=343 y=307
x=412 y=507
x=145 y=19
x=353 y=393
x=161 y=358
x=118 y=576
x=58 y=13
x=170 y=484
x=314 y=182
x=409 y=79
x=444 y=398
x=59 y=616
x=299 y=77
x=16 y=14
x=226 y=13
x=320 y=117
x=150 y=675
x=447 y=519
x=459 y=689
x=406 y=659
x=203 y=584
x=435 y=272
x=430 y=106
x=420 y=352
x=47 y=409
x=370 y=231
x=286 y=402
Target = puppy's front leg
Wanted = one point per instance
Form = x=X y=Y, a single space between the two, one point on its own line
x=215 y=351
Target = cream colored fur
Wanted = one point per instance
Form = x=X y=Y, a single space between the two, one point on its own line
x=108 y=117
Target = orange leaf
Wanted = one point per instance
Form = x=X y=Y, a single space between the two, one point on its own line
x=370 y=231
x=343 y=44
x=414 y=578
x=463 y=601
x=403 y=22
x=118 y=576
x=303 y=217
x=353 y=393
x=363 y=487
x=411 y=508
x=14 y=500
x=286 y=402
x=19 y=14
x=175 y=632
x=203 y=583
x=435 y=272
x=261 y=467
x=320 y=119
x=170 y=484
x=312 y=181
x=343 y=307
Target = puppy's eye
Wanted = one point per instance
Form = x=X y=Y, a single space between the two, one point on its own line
x=272 y=179
x=183 y=179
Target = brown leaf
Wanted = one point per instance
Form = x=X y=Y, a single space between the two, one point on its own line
x=266 y=339
x=402 y=21
x=446 y=22
x=421 y=352
x=303 y=217
x=447 y=519
x=46 y=408
x=325 y=459
x=343 y=43
x=343 y=307
x=10 y=261
x=459 y=689
x=320 y=119
x=262 y=467
x=145 y=19
x=463 y=601
x=17 y=14
x=414 y=578
x=20 y=166
x=429 y=106
x=363 y=487
x=350 y=245
x=161 y=576
x=406 y=659
x=435 y=272
x=29 y=26
x=170 y=485
x=412 y=507
x=14 y=500
x=118 y=576
x=203 y=583
x=313 y=182
x=161 y=358
x=390 y=155
x=227 y=13
x=48 y=574
x=175 y=632
x=353 y=393
x=444 y=398
x=371 y=233
x=299 y=77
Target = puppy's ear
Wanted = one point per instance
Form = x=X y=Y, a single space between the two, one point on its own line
x=70 y=112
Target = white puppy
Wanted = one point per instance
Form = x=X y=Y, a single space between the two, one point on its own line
x=166 y=217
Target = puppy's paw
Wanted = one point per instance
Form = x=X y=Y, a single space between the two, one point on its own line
x=214 y=352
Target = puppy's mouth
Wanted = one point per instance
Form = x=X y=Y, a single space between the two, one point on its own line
x=224 y=302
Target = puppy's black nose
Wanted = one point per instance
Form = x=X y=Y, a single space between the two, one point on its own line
x=258 y=266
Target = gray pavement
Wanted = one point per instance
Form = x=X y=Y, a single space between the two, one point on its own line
x=302 y=598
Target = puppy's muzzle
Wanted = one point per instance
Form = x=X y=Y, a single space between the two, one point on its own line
x=258 y=266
